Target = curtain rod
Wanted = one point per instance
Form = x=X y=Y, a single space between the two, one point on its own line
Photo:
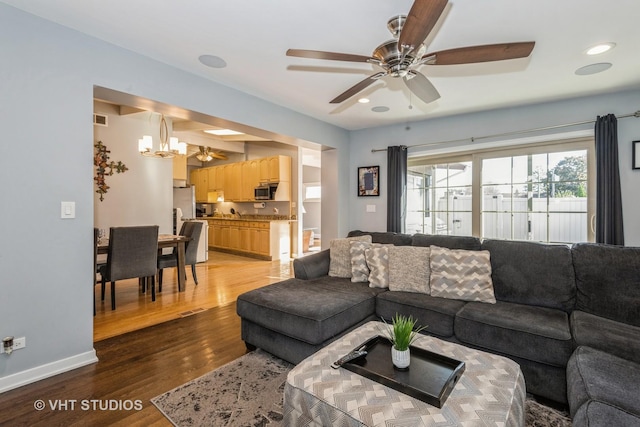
x=519 y=132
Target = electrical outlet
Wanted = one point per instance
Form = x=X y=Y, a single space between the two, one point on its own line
x=19 y=343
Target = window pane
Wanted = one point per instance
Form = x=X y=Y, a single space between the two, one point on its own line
x=524 y=196
x=439 y=199
x=567 y=227
x=496 y=171
x=530 y=197
x=496 y=225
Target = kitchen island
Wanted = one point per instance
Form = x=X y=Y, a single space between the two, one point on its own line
x=265 y=237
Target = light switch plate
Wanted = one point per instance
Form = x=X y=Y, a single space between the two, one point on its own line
x=371 y=208
x=67 y=210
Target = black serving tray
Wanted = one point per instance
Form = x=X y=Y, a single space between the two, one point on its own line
x=430 y=376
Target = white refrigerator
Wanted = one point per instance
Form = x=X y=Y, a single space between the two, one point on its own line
x=184 y=205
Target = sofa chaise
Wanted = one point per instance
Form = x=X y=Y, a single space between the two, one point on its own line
x=557 y=310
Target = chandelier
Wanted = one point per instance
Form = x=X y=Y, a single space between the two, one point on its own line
x=168 y=148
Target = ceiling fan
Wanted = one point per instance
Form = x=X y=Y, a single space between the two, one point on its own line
x=206 y=154
x=401 y=56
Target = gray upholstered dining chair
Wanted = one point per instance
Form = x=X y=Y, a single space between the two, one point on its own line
x=191 y=229
x=133 y=253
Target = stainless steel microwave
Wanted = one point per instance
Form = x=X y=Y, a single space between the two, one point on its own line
x=265 y=191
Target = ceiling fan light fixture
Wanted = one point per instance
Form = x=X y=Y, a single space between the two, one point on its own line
x=600 y=48
x=204 y=157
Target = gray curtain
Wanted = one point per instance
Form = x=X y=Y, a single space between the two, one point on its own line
x=609 y=228
x=397 y=187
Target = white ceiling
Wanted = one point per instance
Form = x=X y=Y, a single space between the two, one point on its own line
x=253 y=36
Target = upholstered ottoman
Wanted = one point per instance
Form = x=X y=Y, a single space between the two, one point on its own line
x=295 y=318
x=602 y=389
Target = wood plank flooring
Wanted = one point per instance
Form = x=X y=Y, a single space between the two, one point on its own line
x=221 y=279
x=138 y=362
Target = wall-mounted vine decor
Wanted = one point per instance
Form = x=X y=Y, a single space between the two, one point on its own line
x=104 y=168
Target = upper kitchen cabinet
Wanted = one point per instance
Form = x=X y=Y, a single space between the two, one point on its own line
x=275 y=169
x=200 y=178
x=237 y=181
x=180 y=167
x=250 y=178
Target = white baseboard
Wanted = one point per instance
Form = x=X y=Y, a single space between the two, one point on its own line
x=48 y=370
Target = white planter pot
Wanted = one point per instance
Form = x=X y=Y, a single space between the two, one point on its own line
x=400 y=359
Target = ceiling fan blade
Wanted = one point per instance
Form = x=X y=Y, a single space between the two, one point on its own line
x=421 y=87
x=484 y=53
x=218 y=156
x=332 y=56
x=357 y=88
x=422 y=17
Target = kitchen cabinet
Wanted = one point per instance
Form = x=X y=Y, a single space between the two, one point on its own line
x=275 y=169
x=180 y=167
x=200 y=178
x=213 y=184
x=260 y=239
x=279 y=169
x=250 y=179
x=236 y=181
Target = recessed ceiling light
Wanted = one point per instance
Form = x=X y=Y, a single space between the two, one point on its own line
x=380 y=109
x=600 y=48
x=223 y=132
x=212 y=61
x=593 y=68
x=363 y=100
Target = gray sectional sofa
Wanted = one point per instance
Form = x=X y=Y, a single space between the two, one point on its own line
x=570 y=316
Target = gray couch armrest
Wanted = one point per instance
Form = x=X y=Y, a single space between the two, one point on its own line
x=312 y=266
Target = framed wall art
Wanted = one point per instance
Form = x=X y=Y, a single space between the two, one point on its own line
x=368 y=181
x=636 y=155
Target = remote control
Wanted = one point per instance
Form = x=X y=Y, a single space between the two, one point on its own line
x=348 y=358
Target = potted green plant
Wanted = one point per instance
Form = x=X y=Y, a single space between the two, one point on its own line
x=402 y=333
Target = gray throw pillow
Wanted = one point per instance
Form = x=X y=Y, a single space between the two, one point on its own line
x=409 y=269
x=339 y=256
x=461 y=274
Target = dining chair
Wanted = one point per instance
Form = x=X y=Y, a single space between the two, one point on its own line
x=191 y=229
x=132 y=253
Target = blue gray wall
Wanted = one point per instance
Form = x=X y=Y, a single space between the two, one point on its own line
x=47 y=75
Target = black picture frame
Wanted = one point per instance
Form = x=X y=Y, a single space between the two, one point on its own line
x=635 y=158
x=368 y=181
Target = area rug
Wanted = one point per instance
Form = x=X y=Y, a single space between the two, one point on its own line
x=248 y=393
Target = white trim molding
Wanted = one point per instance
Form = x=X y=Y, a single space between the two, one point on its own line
x=48 y=370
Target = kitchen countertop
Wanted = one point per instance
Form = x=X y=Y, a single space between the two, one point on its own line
x=266 y=218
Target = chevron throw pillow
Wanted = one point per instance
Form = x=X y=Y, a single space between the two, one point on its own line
x=461 y=274
x=378 y=262
x=359 y=267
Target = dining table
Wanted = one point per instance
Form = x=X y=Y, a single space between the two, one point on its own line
x=164 y=241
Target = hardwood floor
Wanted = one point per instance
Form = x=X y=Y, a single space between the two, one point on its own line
x=137 y=361
x=221 y=279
